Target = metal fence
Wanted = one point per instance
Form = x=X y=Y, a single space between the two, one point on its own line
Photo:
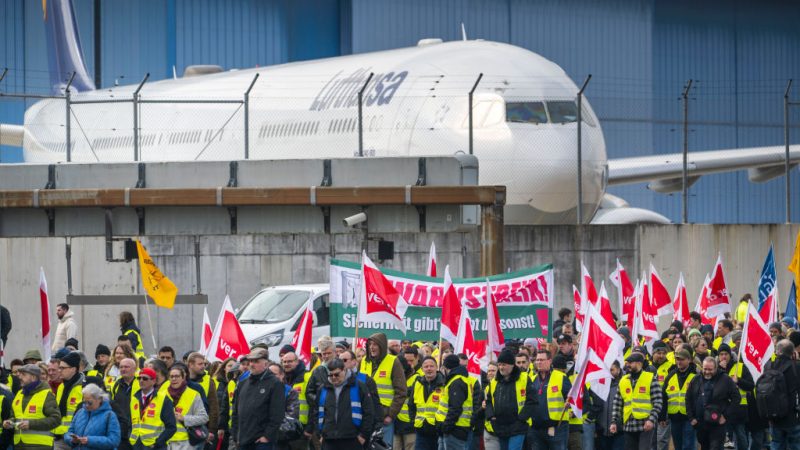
x=268 y=119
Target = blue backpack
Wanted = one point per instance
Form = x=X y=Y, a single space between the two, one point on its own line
x=355 y=406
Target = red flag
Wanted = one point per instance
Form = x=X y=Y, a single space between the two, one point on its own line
x=601 y=345
x=702 y=305
x=494 y=332
x=769 y=310
x=451 y=310
x=207 y=332
x=659 y=297
x=44 y=304
x=466 y=343
x=228 y=340
x=301 y=340
x=646 y=313
x=431 y=272
x=619 y=278
x=588 y=372
x=680 y=303
x=577 y=300
x=756 y=346
x=719 y=301
x=380 y=301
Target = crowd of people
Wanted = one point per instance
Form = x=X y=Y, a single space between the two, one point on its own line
x=684 y=389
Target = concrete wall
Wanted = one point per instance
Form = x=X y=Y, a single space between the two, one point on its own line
x=241 y=265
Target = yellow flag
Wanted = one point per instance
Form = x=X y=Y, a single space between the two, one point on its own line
x=794 y=266
x=159 y=287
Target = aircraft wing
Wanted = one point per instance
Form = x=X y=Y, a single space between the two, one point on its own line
x=664 y=172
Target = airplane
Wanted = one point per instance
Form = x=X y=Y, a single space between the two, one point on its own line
x=415 y=104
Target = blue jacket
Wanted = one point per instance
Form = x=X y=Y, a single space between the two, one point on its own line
x=100 y=426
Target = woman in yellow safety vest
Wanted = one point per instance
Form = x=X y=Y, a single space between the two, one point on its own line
x=189 y=409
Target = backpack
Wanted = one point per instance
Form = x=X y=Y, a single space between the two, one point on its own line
x=771 y=398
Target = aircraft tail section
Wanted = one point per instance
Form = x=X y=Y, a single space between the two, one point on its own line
x=64 y=51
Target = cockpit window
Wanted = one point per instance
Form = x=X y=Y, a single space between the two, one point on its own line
x=562 y=111
x=525 y=112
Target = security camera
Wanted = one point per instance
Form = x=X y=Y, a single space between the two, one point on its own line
x=355 y=219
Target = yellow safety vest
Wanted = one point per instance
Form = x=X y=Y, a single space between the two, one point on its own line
x=662 y=371
x=574 y=420
x=74 y=400
x=109 y=382
x=300 y=388
x=521 y=386
x=33 y=410
x=403 y=414
x=382 y=377
x=148 y=426
x=676 y=395
x=231 y=390
x=426 y=408
x=555 y=398
x=737 y=370
x=466 y=409
x=671 y=357
x=182 y=407
x=741 y=311
x=636 y=400
x=139 y=349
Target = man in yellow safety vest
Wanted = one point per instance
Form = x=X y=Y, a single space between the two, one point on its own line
x=387 y=371
x=637 y=404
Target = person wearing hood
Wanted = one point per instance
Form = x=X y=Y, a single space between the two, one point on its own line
x=674 y=396
x=454 y=415
x=35 y=412
x=510 y=402
x=67 y=327
x=95 y=426
x=259 y=406
x=345 y=416
x=69 y=396
x=387 y=371
x=127 y=326
x=625 y=333
x=709 y=402
x=426 y=394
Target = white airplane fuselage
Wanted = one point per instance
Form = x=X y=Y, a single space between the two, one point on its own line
x=524 y=128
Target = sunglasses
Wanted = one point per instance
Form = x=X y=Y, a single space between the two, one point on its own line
x=144 y=378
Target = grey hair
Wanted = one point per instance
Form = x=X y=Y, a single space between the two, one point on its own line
x=784 y=347
x=84 y=360
x=324 y=343
x=92 y=390
x=712 y=360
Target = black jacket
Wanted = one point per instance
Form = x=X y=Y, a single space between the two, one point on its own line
x=723 y=395
x=258 y=408
x=6 y=436
x=167 y=416
x=5 y=324
x=457 y=394
x=223 y=404
x=427 y=389
x=790 y=373
x=501 y=408
x=337 y=420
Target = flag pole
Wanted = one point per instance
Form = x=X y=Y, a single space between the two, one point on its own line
x=150 y=321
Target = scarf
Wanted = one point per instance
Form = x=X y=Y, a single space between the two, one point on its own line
x=176 y=393
x=26 y=390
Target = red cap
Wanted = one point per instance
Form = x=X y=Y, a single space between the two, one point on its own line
x=148 y=372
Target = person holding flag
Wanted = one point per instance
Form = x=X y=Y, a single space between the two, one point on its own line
x=550 y=417
x=387 y=371
x=510 y=401
x=637 y=405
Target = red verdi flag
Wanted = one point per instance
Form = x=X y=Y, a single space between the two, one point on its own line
x=577 y=300
x=451 y=310
x=431 y=272
x=44 y=304
x=494 y=333
x=659 y=296
x=681 y=303
x=719 y=301
x=756 y=346
x=228 y=340
x=301 y=340
x=619 y=278
x=380 y=301
x=205 y=336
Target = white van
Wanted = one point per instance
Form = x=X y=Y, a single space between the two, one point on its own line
x=273 y=314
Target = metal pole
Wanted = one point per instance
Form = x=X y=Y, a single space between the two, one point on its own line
x=472 y=91
x=5 y=71
x=491 y=230
x=685 y=173
x=580 y=149
x=136 y=117
x=68 y=124
x=247 y=118
x=361 y=115
x=786 y=142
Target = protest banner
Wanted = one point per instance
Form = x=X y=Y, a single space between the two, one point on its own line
x=524 y=302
